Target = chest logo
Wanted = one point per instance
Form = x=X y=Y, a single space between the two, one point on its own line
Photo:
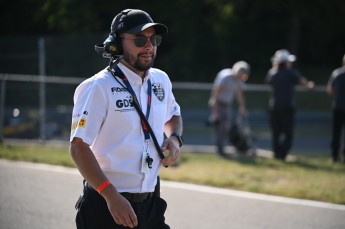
x=158 y=90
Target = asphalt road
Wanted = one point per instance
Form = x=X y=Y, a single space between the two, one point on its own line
x=36 y=196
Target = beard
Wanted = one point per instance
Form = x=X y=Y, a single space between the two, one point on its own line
x=136 y=63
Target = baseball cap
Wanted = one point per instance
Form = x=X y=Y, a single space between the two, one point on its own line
x=282 y=56
x=241 y=66
x=134 y=21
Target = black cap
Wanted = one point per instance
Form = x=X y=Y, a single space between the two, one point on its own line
x=134 y=21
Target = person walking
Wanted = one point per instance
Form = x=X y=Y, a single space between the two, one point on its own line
x=336 y=88
x=112 y=145
x=282 y=78
x=228 y=84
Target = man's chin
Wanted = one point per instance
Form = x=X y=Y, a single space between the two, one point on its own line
x=144 y=66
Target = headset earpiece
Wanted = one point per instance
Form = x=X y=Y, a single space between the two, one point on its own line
x=109 y=48
x=112 y=46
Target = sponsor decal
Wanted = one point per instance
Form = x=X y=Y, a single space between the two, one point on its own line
x=120 y=25
x=76 y=116
x=158 y=90
x=124 y=105
x=74 y=125
x=124 y=102
x=118 y=89
x=121 y=103
x=81 y=123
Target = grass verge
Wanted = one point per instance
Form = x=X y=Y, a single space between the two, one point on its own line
x=308 y=177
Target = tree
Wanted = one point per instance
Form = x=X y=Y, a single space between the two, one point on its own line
x=204 y=35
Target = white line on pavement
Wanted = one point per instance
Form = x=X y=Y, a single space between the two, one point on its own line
x=190 y=187
x=251 y=195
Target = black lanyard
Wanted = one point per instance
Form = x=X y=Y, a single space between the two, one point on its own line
x=121 y=75
x=116 y=71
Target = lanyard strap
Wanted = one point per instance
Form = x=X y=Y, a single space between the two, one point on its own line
x=129 y=88
x=116 y=71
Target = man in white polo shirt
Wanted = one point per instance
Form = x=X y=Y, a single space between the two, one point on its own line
x=111 y=144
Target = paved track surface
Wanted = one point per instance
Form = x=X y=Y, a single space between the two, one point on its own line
x=36 y=196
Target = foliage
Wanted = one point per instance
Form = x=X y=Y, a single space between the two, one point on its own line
x=204 y=35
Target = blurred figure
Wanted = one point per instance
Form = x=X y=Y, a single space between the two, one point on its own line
x=282 y=77
x=228 y=84
x=336 y=88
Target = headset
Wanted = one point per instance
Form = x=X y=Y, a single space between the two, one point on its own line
x=112 y=47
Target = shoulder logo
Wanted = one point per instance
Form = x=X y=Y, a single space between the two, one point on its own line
x=158 y=90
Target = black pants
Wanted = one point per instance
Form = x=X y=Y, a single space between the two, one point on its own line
x=282 y=126
x=93 y=212
x=338 y=127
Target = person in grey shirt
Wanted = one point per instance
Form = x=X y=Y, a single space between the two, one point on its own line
x=336 y=88
x=228 y=84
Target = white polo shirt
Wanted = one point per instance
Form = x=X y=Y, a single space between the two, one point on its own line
x=104 y=118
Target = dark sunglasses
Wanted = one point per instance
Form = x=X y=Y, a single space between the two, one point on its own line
x=140 y=40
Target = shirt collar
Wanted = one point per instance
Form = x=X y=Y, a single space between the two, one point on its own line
x=132 y=76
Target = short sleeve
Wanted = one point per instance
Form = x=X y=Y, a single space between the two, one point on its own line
x=88 y=112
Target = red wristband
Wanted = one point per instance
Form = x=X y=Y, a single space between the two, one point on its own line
x=103 y=186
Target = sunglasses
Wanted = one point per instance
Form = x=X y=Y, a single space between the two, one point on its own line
x=140 y=40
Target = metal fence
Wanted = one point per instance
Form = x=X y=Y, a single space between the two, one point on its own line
x=40 y=107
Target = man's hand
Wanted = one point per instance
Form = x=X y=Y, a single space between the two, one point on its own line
x=310 y=85
x=120 y=208
x=171 y=144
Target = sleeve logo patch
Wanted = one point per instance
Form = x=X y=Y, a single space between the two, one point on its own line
x=81 y=123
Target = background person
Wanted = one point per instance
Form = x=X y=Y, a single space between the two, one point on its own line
x=336 y=88
x=109 y=144
x=282 y=78
x=227 y=85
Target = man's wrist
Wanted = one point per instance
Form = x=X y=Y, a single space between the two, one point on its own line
x=178 y=137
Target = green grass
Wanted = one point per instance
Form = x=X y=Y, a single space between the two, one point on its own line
x=308 y=177
x=41 y=154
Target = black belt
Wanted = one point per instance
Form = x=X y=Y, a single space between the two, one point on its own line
x=137 y=197
x=131 y=197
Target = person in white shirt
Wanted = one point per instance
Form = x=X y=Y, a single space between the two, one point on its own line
x=228 y=84
x=110 y=142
